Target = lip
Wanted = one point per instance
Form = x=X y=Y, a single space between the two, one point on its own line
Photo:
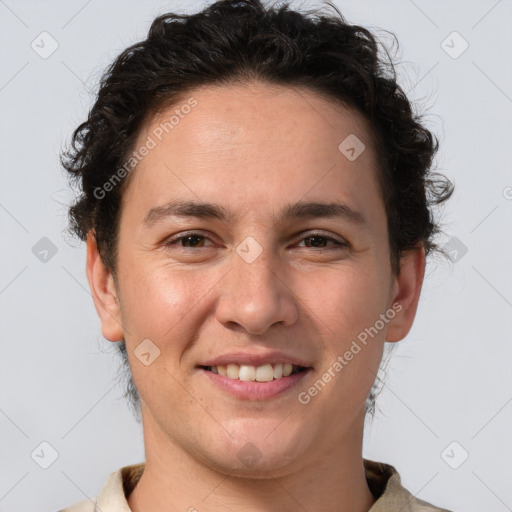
x=253 y=390
x=253 y=359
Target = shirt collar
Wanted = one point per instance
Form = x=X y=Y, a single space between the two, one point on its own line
x=383 y=481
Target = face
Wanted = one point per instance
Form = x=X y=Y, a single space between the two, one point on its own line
x=286 y=262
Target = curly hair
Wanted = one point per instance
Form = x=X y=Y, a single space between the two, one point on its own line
x=234 y=41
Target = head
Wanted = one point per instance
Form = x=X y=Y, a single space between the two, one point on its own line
x=316 y=217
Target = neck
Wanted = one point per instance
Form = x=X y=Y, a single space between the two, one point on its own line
x=173 y=479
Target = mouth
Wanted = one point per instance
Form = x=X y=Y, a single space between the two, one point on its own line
x=251 y=373
x=255 y=383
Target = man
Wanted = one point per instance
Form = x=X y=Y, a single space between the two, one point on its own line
x=257 y=208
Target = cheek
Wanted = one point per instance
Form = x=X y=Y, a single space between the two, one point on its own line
x=158 y=302
x=345 y=306
x=162 y=305
x=344 y=301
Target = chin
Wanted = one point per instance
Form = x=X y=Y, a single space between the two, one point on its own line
x=250 y=462
x=258 y=448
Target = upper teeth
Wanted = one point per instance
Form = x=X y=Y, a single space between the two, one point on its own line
x=245 y=372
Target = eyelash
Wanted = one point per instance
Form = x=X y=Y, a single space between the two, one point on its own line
x=340 y=245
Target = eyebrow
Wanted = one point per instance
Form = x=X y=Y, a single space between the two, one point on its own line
x=300 y=210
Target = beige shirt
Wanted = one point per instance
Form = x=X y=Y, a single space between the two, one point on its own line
x=383 y=481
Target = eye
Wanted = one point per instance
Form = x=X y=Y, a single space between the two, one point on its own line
x=318 y=241
x=188 y=240
x=195 y=240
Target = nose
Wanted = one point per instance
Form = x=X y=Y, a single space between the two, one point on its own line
x=255 y=296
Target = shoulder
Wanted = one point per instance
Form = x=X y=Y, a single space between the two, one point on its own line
x=112 y=495
x=385 y=483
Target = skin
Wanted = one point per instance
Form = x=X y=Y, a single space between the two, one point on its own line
x=253 y=148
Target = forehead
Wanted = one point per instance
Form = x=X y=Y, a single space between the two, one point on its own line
x=253 y=142
x=271 y=118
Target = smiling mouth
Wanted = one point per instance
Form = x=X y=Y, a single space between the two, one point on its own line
x=250 y=373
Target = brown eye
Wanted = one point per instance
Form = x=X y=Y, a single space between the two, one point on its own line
x=193 y=240
x=316 y=241
x=188 y=241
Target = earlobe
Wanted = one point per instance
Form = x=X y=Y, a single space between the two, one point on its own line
x=103 y=292
x=407 y=293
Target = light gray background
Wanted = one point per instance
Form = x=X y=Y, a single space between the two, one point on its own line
x=450 y=379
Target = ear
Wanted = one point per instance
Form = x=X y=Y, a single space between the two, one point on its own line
x=407 y=293
x=103 y=292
